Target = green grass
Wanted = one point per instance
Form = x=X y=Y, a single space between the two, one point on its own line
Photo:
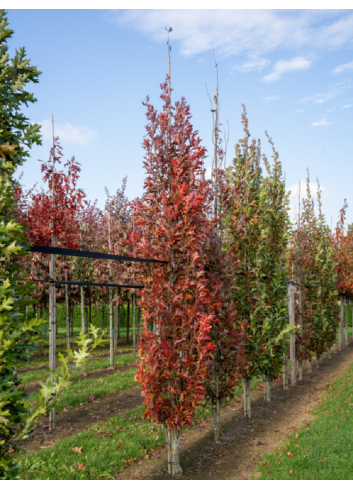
x=94 y=364
x=105 y=448
x=104 y=451
x=323 y=449
x=79 y=393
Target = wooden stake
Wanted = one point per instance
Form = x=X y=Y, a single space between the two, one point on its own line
x=111 y=330
x=346 y=328
x=52 y=295
x=128 y=322
x=293 y=374
x=67 y=314
x=116 y=319
x=84 y=366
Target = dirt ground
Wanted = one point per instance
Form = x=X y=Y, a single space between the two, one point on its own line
x=244 y=441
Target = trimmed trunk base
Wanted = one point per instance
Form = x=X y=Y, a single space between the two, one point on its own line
x=267 y=388
x=300 y=370
x=216 y=417
x=172 y=439
x=247 y=398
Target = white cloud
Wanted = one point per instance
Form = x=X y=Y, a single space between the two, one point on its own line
x=321 y=122
x=286 y=66
x=299 y=111
x=272 y=98
x=237 y=31
x=208 y=174
x=334 y=91
x=252 y=65
x=68 y=133
x=347 y=106
x=342 y=68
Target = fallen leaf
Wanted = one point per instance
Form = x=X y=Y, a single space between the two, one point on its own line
x=291 y=472
x=219 y=462
x=290 y=454
x=266 y=464
x=276 y=431
x=259 y=442
x=296 y=436
x=77 y=450
x=137 y=476
x=80 y=466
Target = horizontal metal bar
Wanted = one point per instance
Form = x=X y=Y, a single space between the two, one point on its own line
x=52 y=250
x=89 y=284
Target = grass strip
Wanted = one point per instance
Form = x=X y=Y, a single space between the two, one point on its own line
x=105 y=448
x=79 y=393
x=320 y=450
x=93 y=364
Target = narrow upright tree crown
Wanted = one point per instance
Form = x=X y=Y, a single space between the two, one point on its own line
x=171 y=225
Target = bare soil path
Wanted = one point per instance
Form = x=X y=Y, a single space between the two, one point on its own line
x=246 y=440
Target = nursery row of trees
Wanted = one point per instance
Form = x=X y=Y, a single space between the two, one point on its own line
x=242 y=289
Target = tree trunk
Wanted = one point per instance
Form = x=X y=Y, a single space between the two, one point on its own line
x=116 y=319
x=317 y=361
x=267 y=388
x=247 y=398
x=309 y=367
x=118 y=322
x=293 y=374
x=340 y=330
x=90 y=309
x=321 y=358
x=216 y=417
x=67 y=315
x=172 y=439
x=285 y=372
x=300 y=372
x=103 y=313
x=133 y=327
x=84 y=366
x=111 y=330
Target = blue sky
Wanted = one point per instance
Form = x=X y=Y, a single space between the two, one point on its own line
x=292 y=69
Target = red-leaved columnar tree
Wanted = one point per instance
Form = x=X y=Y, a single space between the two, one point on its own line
x=42 y=210
x=171 y=224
